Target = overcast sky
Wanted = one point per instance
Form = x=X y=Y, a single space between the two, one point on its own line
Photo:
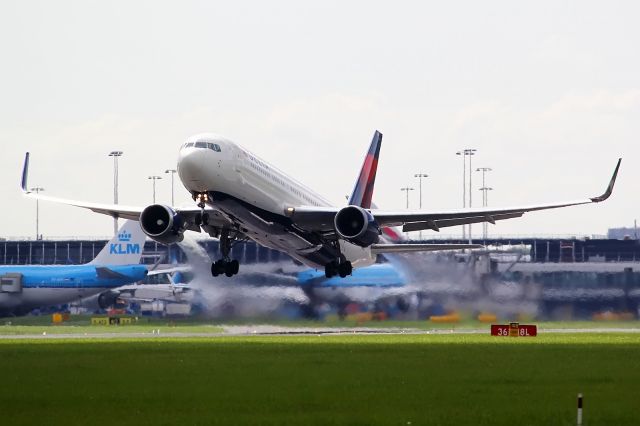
x=547 y=92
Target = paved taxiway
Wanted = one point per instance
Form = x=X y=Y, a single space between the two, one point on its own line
x=268 y=330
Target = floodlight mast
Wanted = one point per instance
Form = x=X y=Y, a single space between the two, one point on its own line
x=485 y=199
x=115 y=155
x=467 y=152
x=173 y=172
x=420 y=176
x=37 y=190
x=154 y=179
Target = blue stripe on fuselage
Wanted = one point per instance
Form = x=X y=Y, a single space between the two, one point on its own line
x=75 y=276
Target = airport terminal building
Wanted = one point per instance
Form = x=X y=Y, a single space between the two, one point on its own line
x=580 y=276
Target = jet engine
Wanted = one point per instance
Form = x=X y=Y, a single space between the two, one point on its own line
x=111 y=299
x=162 y=224
x=357 y=226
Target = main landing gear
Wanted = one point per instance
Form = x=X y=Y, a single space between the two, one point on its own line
x=334 y=268
x=225 y=265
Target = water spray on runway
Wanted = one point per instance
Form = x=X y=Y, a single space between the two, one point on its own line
x=239 y=296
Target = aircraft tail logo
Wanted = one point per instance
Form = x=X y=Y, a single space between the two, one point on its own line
x=125 y=248
x=363 y=190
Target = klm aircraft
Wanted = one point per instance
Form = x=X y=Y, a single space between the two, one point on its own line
x=23 y=288
x=369 y=284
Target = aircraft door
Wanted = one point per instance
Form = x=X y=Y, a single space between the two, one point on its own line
x=11 y=283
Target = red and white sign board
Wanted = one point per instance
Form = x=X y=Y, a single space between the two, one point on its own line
x=514 y=330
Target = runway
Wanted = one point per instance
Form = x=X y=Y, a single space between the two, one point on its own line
x=271 y=330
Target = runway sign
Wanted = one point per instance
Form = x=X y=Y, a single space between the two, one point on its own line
x=111 y=320
x=514 y=329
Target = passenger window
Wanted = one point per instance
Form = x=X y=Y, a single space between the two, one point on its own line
x=201 y=144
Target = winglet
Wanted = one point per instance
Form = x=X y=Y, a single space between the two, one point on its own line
x=612 y=182
x=363 y=190
x=25 y=173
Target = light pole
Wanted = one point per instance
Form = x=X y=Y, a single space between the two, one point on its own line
x=485 y=202
x=37 y=190
x=484 y=190
x=173 y=172
x=467 y=152
x=484 y=170
x=464 y=187
x=407 y=189
x=115 y=155
x=420 y=176
x=154 y=179
x=470 y=153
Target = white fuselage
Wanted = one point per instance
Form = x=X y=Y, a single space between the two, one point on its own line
x=212 y=164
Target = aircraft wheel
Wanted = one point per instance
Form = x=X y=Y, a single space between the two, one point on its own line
x=345 y=269
x=218 y=268
x=330 y=269
x=231 y=268
x=235 y=266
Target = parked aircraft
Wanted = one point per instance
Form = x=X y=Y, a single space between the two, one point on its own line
x=239 y=196
x=23 y=288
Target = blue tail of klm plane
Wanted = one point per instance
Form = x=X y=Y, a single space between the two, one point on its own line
x=125 y=248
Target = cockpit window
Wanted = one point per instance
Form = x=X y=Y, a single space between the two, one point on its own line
x=208 y=145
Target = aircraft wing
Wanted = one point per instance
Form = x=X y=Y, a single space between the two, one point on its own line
x=321 y=219
x=150 y=292
x=407 y=248
x=170 y=270
x=122 y=211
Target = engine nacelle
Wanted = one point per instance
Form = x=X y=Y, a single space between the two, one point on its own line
x=162 y=224
x=111 y=299
x=357 y=226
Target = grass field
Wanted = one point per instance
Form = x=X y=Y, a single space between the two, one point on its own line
x=381 y=379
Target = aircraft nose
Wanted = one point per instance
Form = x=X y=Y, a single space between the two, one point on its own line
x=191 y=169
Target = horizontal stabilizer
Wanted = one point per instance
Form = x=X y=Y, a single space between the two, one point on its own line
x=109 y=274
x=408 y=248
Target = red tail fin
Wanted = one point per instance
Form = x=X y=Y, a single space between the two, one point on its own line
x=363 y=190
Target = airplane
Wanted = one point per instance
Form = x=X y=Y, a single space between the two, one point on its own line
x=238 y=196
x=369 y=284
x=23 y=288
